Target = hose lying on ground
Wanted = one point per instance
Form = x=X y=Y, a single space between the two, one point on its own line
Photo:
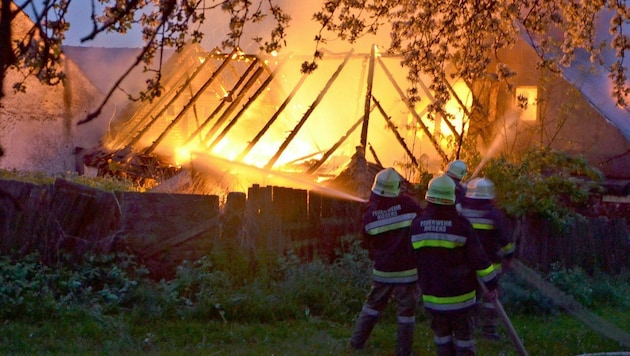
x=516 y=340
x=570 y=305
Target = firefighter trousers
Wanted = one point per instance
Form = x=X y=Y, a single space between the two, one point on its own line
x=453 y=332
x=407 y=296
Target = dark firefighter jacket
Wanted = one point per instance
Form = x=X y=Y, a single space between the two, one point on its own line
x=450 y=259
x=386 y=224
x=490 y=226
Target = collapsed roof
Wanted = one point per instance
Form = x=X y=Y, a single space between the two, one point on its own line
x=262 y=112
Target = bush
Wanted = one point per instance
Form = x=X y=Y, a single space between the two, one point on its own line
x=589 y=291
x=98 y=284
x=544 y=182
x=519 y=297
x=282 y=288
x=25 y=289
x=277 y=289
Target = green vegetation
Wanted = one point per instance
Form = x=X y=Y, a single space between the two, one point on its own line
x=268 y=305
x=544 y=182
x=229 y=303
x=108 y=183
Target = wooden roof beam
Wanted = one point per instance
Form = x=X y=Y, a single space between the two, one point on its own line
x=405 y=100
x=308 y=113
x=154 y=119
x=187 y=107
x=334 y=147
x=221 y=104
x=394 y=129
x=273 y=118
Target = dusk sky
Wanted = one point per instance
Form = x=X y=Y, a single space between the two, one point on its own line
x=80 y=25
x=301 y=30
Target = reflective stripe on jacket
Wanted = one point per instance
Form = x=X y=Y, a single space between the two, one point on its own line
x=450 y=259
x=489 y=223
x=386 y=223
x=390 y=223
x=408 y=276
x=456 y=302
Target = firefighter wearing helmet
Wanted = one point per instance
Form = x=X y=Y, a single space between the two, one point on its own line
x=386 y=222
x=450 y=261
x=489 y=224
x=386 y=183
x=457 y=170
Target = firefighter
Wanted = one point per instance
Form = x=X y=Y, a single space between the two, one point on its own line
x=457 y=169
x=489 y=224
x=451 y=261
x=386 y=222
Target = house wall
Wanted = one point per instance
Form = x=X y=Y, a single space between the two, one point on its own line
x=565 y=120
x=38 y=128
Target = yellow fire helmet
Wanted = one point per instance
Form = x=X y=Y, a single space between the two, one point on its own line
x=456 y=169
x=441 y=190
x=387 y=183
x=480 y=188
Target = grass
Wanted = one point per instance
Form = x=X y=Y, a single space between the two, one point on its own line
x=124 y=335
x=225 y=304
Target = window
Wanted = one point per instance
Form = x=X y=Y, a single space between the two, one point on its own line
x=526 y=102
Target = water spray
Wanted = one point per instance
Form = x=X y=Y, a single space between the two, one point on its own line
x=218 y=168
x=496 y=143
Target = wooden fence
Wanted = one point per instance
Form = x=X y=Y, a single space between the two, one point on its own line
x=165 y=229
x=597 y=243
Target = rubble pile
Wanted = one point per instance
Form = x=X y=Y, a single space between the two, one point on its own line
x=142 y=169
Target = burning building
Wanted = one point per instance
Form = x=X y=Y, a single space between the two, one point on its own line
x=247 y=119
x=244 y=118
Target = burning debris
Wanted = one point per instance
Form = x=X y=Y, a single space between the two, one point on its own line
x=357 y=177
x=251 y=110
x=145 y=170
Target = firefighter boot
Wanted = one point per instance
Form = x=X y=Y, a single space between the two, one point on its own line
x=404 y=340
x=489 y=321
x=362 y=330
x=445 y=349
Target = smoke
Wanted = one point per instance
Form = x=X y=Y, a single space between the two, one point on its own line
x=300 y=36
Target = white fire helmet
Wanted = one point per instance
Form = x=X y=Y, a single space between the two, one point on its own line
x=480 y=188
x=456 y=169
x=441 y=190
x=387 y=183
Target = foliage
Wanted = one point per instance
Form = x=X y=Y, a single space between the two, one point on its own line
x=164 y=24
x=277 y=288
x=107 y=304
x=107 y=183
x=519 y=297
x=461 y=39
x=464 y=149
x=544 y=182
x=286 y=288
x=442 y=39
x=97 y=285
x=589 y=291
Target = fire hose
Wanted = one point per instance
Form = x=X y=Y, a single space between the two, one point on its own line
x=564 y=301
x=516 y=340
x=570 y=305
